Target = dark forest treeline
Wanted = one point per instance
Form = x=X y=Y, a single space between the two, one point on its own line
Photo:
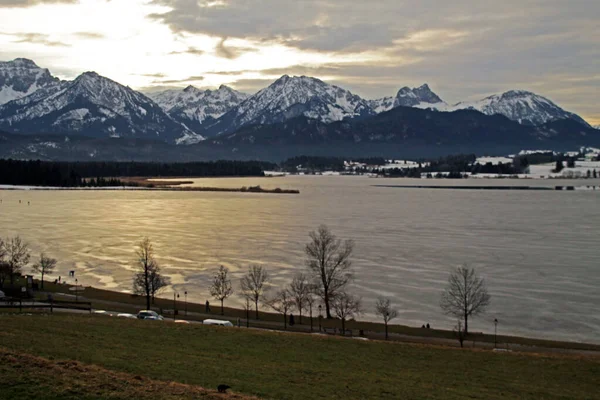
x=72 y=174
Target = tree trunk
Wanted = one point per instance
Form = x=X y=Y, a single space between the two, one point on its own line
x=327 y=311
x=42 y=279
x=285 y=321
x=343 y=327
x=147 y=301
x=300 y=317
x=311 y=318
x=466 y=324
x=222 y=310
x=386 y=331
x=256 y=307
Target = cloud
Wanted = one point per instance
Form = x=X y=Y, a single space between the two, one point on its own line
x=31 y=3
x=89 y=35
x=178 y=81
x=36 y=38
x=190 y=50
x=231 y=52
x=157 y=75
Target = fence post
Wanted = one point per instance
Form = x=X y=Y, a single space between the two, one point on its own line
x=20 y=306
x=51 y=303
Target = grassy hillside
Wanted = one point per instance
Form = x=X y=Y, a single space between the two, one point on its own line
x=295 y=366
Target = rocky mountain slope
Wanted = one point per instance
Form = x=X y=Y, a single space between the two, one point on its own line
x=95 y=106
x=194 y=107
x=521 y=106
x=22 y=77
x=290 y=97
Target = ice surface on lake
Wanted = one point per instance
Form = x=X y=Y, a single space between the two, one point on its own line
x=537 y=249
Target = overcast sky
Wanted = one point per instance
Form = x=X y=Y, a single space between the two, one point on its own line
x=464 y=49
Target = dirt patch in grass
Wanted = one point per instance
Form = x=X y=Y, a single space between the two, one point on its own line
x=26 y=376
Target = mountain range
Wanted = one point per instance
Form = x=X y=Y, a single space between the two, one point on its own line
x=292 y=111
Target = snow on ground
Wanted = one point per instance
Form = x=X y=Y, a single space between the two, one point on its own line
x=494 y=160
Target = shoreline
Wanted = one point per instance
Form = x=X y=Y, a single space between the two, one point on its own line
x=127 y=302
x=252 y=189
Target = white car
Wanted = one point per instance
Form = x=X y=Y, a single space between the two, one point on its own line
x=126 y=315
x=216 y=322
x=2 y=295
x=150 y=315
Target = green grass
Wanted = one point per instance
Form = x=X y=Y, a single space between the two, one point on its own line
x=28 y=377
x=297 y=366
x=131 y=303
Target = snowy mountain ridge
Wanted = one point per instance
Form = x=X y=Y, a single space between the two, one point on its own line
x=95 y=106
x=521 y=106
x=194 y=107
x=32 y=100
x=290 y=97
x=22 y=77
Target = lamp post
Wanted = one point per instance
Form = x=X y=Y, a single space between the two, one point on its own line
x=175 y=297
x=320 y=316
x=76 y=292
x=495 y=331
x=185 y=293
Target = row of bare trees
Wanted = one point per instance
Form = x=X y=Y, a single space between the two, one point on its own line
x=14 y=257
x=328 y=274
x=327 y=278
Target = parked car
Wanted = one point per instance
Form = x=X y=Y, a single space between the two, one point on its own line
x=2 y=295
x=126 y=315
x=181 y=321
x=216 y=322
x=149 y=314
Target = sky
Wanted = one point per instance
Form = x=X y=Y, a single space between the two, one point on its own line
x=464 y=49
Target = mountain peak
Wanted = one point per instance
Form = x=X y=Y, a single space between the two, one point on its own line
x=420 y=97
x=190 y=88
x=522 y=106
x=22 y=77
x=24 y=63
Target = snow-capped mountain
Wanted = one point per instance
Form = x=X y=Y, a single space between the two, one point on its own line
x=596 y=126
x=381 y=105
x=421 y=97
x=22 y=77
x=93 y=105
x=195 y=107
x=521 y=106
x=289 y=97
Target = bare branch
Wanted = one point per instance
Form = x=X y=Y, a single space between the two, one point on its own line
x=466 y=294
x=328 y=260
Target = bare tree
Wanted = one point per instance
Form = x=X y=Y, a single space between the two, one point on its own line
x=247 y=308
x=44 y=266
x=4 y=272
x=221 y=287
x=17 y=256
x=383 y=307
x=156 y=281
x=328 y=260
x=300 y=290
x=283 y=303
x=148 y=271
x=346 y=307
x=310 y=301
x=466 y=295
x=253 y=284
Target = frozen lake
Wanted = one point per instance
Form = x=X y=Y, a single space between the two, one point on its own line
x=538 y=250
